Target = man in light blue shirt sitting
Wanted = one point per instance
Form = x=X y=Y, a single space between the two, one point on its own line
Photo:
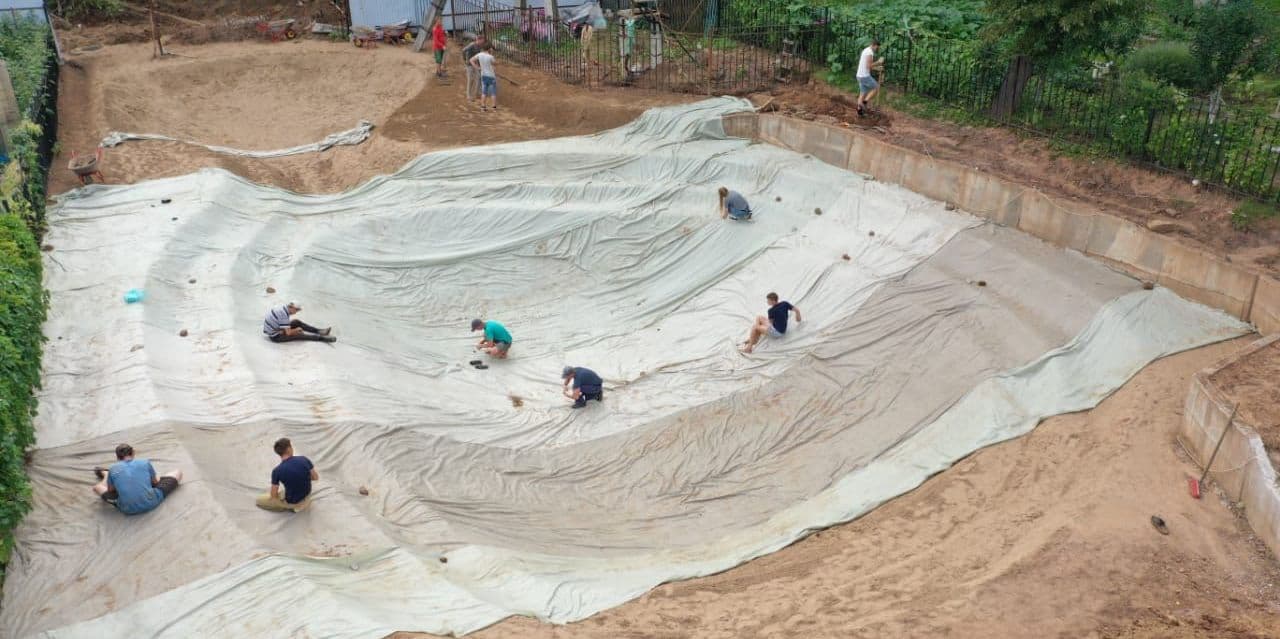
x=131 y=485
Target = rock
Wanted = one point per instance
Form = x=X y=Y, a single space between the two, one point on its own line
x=182 y=333
x=175 y=218
x=1148 y=285
x=1160 y=225
x=817 y=211
x=871 y=233
x=777 y=199
x=949 y=206
x=191 y=281
x=46 y=248
x=136 y=348
x=364 y=491
x=165 y=201
x=982 y=282
x=270 y=290
x=443 y=559
x=845 y=257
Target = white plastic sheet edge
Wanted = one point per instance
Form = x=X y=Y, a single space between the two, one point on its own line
x=350 y=137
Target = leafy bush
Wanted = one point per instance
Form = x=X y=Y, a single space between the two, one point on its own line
x=88 y=9
x=1249 y=213
x=951 y=18
x=1170 y=62
x=22 y=311
x=24 y=46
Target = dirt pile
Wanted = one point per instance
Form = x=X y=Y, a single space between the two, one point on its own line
x=1254 y=382
x=817 y=103
x=257 y=95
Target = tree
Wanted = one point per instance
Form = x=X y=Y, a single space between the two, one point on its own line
x=1232 y=38
x=1064 y=32
x=1056 y=33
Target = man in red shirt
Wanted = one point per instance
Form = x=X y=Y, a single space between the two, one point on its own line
x=438 y=41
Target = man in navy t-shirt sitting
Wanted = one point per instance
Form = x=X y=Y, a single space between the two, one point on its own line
x=586 y=385
x=774 y=326
x=296 y=474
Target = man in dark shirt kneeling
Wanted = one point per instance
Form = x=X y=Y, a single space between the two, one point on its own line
x=586 y=385
x=296 y=473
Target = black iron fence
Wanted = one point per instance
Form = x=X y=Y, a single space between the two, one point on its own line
x=645 y=50
x=721 y=47
x=1235 y=149
x=43 y=111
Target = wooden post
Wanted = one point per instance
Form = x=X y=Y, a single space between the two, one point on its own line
x=158 y=50
x=553 y=18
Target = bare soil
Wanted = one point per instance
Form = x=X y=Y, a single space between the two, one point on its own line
x=1048 y=535
x=1254 y=382
x=1135 y=193
x=257 y=95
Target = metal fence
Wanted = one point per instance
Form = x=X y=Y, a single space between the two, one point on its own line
x=646 y=51
x=1234 y=149
x=724 y=47
x=44 y=112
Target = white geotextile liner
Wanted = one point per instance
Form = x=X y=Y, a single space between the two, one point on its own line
x=602 y=251
x=350 y=137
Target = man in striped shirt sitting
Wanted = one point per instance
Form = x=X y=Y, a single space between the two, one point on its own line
x=280 y=328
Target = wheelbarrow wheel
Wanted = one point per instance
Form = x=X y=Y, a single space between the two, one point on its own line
x=290 y=34
x=407 y=37
x=358 y=42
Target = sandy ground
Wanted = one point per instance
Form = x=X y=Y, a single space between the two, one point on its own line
x=1044 y=536
x=261 y=96
x=1254 y=382
x=1047 y=535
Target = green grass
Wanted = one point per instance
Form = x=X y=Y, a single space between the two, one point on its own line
x=1250 y=212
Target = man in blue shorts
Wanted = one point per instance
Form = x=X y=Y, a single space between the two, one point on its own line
x=867 y=85
x=296 y=473
x=773 y=326
x=733 y=206
x=488 y=77
x=131 y=485
x=586 y=385
x=496 y=341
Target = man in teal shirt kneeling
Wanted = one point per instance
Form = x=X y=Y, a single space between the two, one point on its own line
x=496 y=341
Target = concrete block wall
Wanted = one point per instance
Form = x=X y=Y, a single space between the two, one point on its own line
x=1190 y=272
x=1242 y=467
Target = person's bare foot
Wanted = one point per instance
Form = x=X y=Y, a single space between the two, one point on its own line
x=326 y=331
x=746 y=348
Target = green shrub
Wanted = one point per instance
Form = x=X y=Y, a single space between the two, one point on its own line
x=1169 y=62
x=24 y=46
x=89 y=9
x=1250 y=212
x=22 y=311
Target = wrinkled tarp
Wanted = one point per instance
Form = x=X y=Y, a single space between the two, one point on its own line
x=350 y=137
x=587 y=13
x=603 y=251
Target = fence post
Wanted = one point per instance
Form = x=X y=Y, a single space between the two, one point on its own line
x=906 y=74
x=1146 y=137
